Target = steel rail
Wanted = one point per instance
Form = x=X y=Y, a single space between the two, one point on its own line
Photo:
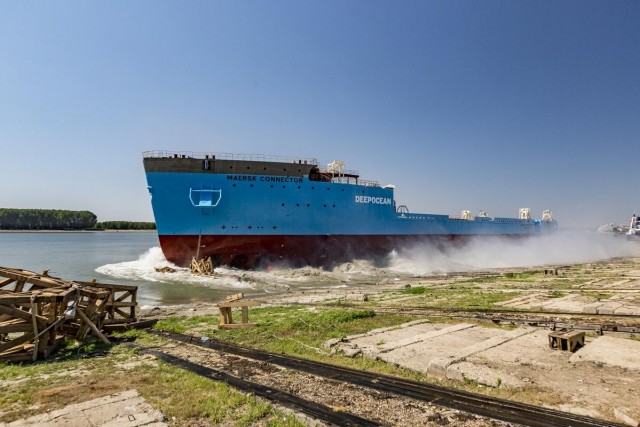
x=446 y=310
x=477 y=404
x=312 y=409
x=486 y=315
x=545 y=322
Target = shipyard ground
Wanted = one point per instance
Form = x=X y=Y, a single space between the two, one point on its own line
x=601 y=379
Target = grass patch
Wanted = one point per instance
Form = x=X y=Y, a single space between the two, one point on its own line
x=300 y=331
x=597 y=295
x=557 y=294
x=75 y=374
x=467 y=298
x=293 y=330
x=524 y=276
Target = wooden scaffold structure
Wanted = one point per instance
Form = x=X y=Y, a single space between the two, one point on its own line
x=37 y=310
x=203 y=267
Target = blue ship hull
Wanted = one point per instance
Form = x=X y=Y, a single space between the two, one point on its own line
x=241 y=214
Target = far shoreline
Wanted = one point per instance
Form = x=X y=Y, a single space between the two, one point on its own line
x=79 y=231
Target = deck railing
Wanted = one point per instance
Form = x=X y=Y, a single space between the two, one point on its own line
x=227 y=156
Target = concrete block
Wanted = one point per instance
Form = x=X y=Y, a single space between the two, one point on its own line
x=350 y=351
x=438 y=366
x=622 y=416
x=609 y=307
x=370 y=353
x=611 y=351
x=332 y=342
x=423 y=337
x=591 y=308
x=628 y=310
x=123 y=409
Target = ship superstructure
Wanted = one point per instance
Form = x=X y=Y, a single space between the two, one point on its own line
x=634 y=228
x=250 y=210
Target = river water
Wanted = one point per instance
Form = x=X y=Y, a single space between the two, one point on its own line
x=131 y=258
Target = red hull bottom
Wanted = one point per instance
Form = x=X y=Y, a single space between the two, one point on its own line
x=249 y=252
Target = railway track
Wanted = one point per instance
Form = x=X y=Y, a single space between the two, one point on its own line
x=556 y=320
x=312 y=409
x=499 y=409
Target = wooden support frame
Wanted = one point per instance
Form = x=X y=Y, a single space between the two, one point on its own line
x=236 y=301
x=121 y=305
x=30 y=325
x=566 y=339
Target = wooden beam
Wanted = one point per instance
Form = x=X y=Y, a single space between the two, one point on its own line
x=93 y=327
x=16 y=342
x=15 y=327
x=239 y=303
x=5 y=282
x=21 y=314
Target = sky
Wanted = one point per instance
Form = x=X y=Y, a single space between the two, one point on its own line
x=461 y=104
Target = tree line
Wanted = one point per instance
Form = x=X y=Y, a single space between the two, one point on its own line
x=126 y=225
x=56 y=219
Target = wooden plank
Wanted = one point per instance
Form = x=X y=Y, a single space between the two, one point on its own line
x=15 y=327
x=20 y=313
x=225 y=316
x=19 y=286
x=124 y=314
x=5 y=282
x=23 y=299
x=239 y=303
x=20 y=354
x=234 y=297
x=134 y=296
x=123 y=297
x=93 y=327
x=33 y=278
x=122 y=304
x=111 y=286
x=16 y=342
x=17 y=357
x=34 y=322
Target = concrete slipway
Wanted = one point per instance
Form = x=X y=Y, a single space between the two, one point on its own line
x=602 y=379
x=125 y=409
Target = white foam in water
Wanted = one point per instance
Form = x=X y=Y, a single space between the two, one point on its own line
x=496 y=252
x=144 y=268
x=477 y=254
